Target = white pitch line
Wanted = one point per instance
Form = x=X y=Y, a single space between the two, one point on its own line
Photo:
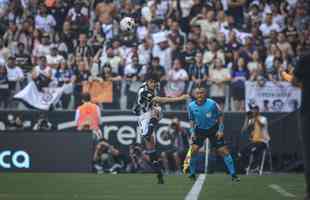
x=195 y=191
x=282 y=191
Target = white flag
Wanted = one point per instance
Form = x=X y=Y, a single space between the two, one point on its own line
x=39 y=99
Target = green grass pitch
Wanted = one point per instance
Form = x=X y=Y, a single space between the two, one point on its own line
x=48 y=186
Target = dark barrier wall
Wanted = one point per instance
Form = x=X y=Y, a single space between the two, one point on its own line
x=121 y=128
x=46 y=152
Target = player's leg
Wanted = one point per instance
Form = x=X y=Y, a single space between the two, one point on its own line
x=165 y=161
x=148 y=128
x=177 y=162
x=224 y=152
x=229 y=162
x=197 y=142
x=193 y=161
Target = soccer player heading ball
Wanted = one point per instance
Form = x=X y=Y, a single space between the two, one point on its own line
x=149 y=111
x=206 y=121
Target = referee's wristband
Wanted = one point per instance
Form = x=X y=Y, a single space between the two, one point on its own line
x=221 y=128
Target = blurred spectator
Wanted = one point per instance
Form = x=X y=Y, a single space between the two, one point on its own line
x=198 y=71
x=247 y=50
x=176 y=35
x=25 y=34
x=142 y=29
x=67 y=36
x=78 y=17
x=253 y=65
x=82 y=48
x=284 y=45
x=219 y=77
x=213 y=53
x=109 y=57
x=236 y=9
x=156 y=68
x=209 y=27
x=301 y=18
x=81 y=76
x=268 y=26
x=42 y=46
x=14 y=123
x=54 y=59
x=273 y=53
x=107 y=75
x=134 y=73
x=4 y=87
x=176 y=81
x=23 y=58
x=59 y=10
x=189 y=54
x=4 y=51
x=266 y=34
x=163 y=51
x=106 y=158
x=138 y=160
x=64 y=75
x=97 y=37
x=145 y=51
x=42 y=74
x=274 y=73
x=42 y=124
x=15 y=77
x=159 y=71
x=10 y=36
x=239 y=75
x=179 y=140
x=44 y=21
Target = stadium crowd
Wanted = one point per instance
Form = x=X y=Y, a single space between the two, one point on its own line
x=217 y=43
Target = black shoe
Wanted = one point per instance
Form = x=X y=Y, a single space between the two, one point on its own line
x=192 y=177
x=235 y=178
x=160 y=178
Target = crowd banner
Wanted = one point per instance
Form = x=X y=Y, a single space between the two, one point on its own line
x=100 y=91
x=46 y=152
x=41 y=100
x=272 y=96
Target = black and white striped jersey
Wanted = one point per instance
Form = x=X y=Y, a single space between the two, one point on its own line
x=144 y=99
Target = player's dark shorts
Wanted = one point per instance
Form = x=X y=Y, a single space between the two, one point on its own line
x=202 y=134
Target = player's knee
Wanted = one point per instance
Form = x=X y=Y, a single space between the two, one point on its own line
x=223 y=151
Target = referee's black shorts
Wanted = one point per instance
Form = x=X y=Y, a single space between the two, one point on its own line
x=202 y=134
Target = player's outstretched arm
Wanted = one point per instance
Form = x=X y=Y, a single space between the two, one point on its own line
x=163 y=100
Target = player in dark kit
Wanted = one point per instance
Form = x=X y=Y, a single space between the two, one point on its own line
x=149 y=113
x=206 y=121
x=301 y=78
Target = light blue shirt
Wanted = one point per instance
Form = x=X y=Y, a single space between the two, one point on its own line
x=204 y=116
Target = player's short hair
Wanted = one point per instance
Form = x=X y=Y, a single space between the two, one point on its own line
x=200 y=87
x=151 y=77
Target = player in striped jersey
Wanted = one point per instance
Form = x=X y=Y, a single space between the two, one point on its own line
x=148 y=108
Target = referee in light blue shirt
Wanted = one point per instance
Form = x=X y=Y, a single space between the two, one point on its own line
x=206 y=121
